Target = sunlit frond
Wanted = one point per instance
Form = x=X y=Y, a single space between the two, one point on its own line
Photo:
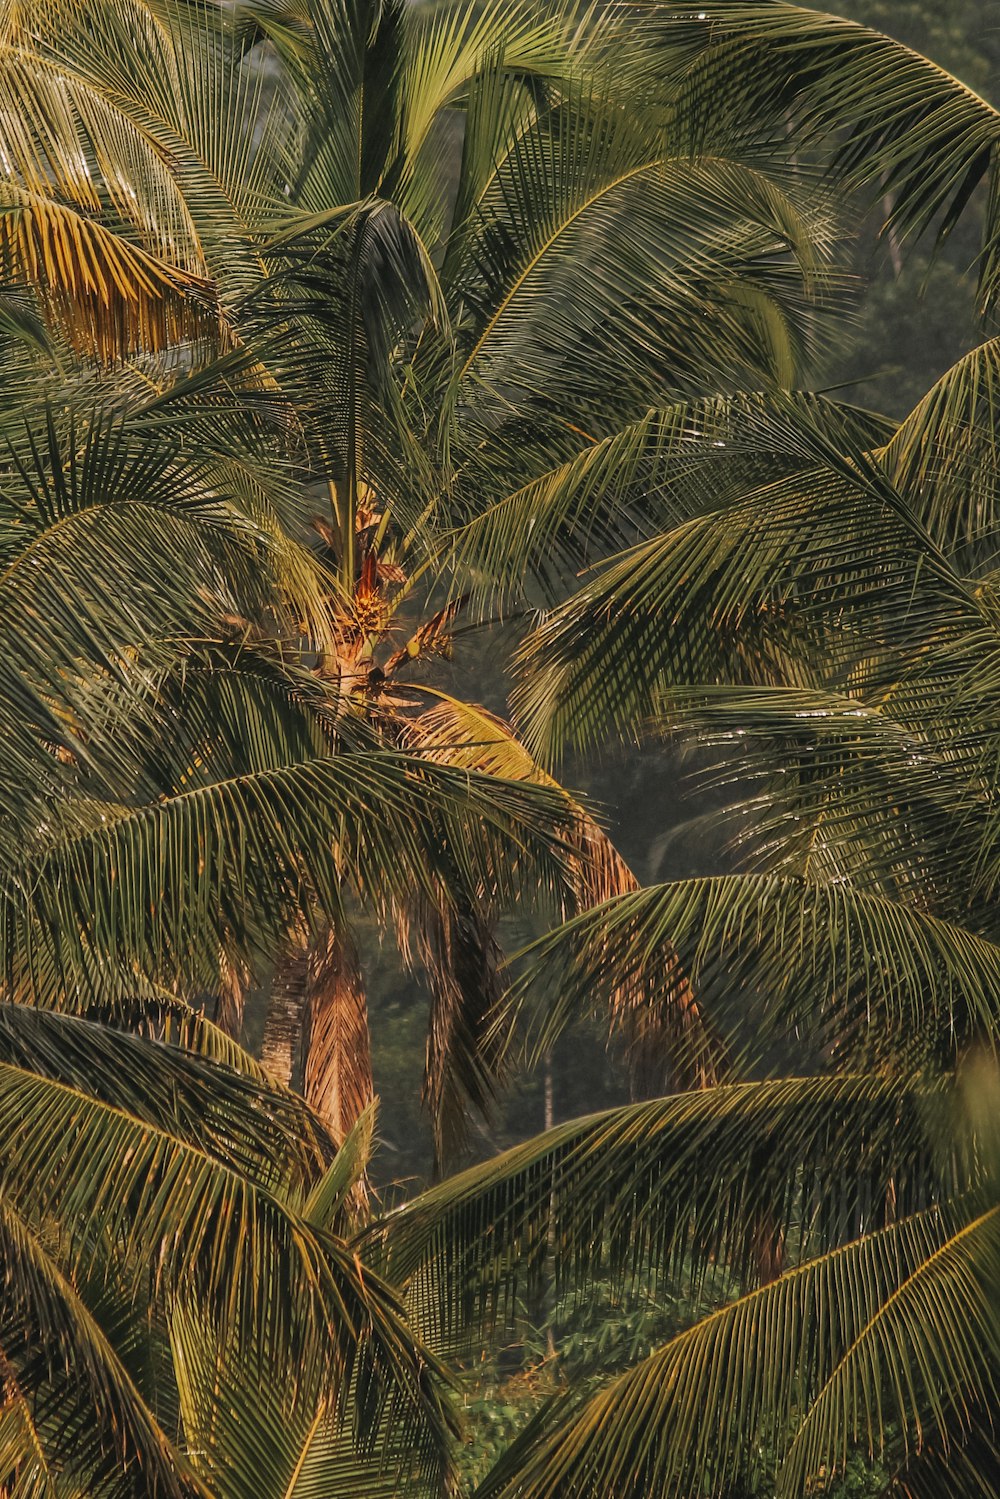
x=889 y=119
x=768 y=954
x=912 y=1301
x=649 y=1184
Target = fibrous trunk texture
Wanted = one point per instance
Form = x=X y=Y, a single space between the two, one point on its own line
x=233 y=982
x=338 y=1065
x=282 y=1044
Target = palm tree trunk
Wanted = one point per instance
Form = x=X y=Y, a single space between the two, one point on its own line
x=338 y=1064
x=548 y=1084
x=316 y=1029
x=282 y=1044
x=231 y=1002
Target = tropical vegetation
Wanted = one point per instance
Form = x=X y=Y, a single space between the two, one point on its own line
x=339 y=337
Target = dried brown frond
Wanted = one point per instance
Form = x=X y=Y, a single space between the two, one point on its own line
x=464 y=1067
x=109 y=297
x=433 y=637
x=656 y=1033
x=338 y=1069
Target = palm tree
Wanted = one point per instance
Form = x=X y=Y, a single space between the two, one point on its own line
x=807 y=575
x=821 y=612
x=396 y=347
x=395 y=294
x=180 y=786
x=854 y=1198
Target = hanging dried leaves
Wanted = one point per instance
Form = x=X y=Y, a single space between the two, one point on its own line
x=108 y=297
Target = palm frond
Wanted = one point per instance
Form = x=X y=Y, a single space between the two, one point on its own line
x=888 y=118
x=162 y=884
x=184 y=1217
x=672 y=1037
x=108 y=297
x=235 y=1119
x=937 y=1336
x=672 y=246
x=98 y=1427
x=917 y=1292
x=296 y=1438
x=745 y=595
x=887 y=789
x=652 y=1185
x=943 y=458
x=334 y=1202
x=852 y=968
x=452 y=49
x=670 y=465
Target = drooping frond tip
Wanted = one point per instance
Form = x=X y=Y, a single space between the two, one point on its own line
x=109 y=298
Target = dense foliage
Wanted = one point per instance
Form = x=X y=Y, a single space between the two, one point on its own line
x=340 y=337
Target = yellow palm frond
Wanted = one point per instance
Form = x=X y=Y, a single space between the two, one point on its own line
x=108 y=296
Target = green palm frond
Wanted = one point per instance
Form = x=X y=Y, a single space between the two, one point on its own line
x=333 y=1201
x=137 y=1173
x=240 y=1120
x=850 y=967
x=641 y=249
x=452 y=49
x=183 y=1215
x=943 y=457
x=888 y=118
x=671 y=464
x=256 y=1435
x=806 y=1352
x=745 y=595
x=146 y=1009
x=648 y=1185
x=352 y=70
x=19 y=321
x=162 y=884
x=114 y=551
x=935 y=1335
x=98 y=1425
x=887 y=789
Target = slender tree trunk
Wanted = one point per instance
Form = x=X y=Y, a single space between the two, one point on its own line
x=316 y=1029
x=282 y=1045
x=549 y=1096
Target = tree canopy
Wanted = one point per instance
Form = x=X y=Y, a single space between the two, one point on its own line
x=340 y=338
